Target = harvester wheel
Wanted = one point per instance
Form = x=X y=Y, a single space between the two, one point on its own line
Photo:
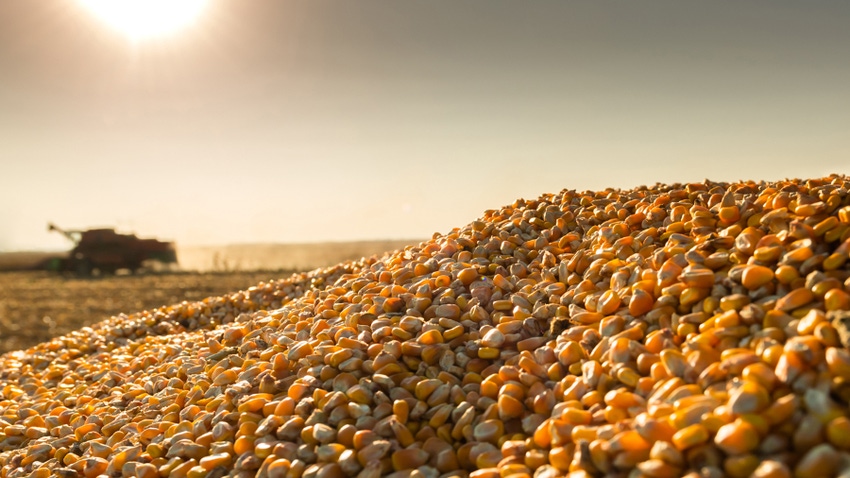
x=83 y=268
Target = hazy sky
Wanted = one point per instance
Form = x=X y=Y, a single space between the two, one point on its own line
x=297 y=121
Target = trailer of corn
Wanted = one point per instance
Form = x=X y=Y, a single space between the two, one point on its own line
x=676 y=330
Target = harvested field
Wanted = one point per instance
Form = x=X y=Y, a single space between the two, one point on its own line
x=37 y=306
x=242 y=257
x=692 y=330
x=298 y=257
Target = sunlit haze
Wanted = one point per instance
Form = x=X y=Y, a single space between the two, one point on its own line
x=142 y=19
x=285 y=121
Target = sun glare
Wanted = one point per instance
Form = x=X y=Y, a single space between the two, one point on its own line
x=141 y=19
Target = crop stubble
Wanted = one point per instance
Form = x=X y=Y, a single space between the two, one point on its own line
x=36 y=306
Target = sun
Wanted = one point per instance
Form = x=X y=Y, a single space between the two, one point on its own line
x=142 y=19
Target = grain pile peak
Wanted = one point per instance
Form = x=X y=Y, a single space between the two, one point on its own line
x=675 y=330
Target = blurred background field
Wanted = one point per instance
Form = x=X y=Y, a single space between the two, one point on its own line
x=248 y=257
x=37 y=305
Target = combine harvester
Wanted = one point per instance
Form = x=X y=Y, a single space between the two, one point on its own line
x=105 y=251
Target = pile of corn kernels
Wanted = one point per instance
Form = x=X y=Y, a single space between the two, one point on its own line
x=695 y=330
